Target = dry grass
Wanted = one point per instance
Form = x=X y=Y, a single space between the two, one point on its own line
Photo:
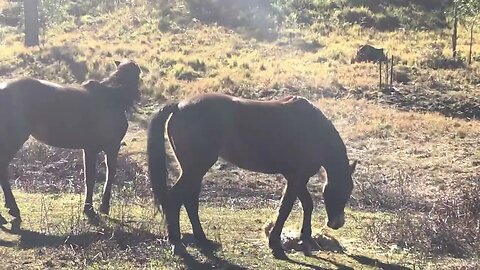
x=451 y=226
x=409 y=161
x=434 y=153
x=393 y=170
x=230 y=58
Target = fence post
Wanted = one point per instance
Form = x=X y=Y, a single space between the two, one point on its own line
x=391 y=72
x=387 y=70
x=380 y=83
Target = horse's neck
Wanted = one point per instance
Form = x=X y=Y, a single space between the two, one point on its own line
x=117 y=95
x=337 y=168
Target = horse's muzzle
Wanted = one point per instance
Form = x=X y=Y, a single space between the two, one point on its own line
x=337 y=222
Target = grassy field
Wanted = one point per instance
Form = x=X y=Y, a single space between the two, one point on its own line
x=236 y=204
x=415 y=203
x=58 y=237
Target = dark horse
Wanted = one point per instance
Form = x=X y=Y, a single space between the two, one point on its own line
x=288 y=136
x=91 y=117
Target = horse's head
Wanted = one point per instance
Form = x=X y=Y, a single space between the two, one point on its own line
x=128 y=75
x=336 y=194
x=125 y=79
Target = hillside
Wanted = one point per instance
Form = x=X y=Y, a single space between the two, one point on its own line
x=415 y=202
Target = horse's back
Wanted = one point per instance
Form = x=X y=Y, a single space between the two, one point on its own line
x=265 y=136
x=60 y=115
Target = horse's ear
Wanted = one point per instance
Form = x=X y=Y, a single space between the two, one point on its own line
x=117 y=63
x=353 y=166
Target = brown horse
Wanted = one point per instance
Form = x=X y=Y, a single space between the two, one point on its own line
x=289 y=137
x=91 y=117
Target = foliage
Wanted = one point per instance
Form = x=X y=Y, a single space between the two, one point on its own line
x=469 y=11
x=256 y=18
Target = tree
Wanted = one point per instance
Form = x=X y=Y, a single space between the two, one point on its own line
x=30 y=8
x=455 y=29
x=469 y=11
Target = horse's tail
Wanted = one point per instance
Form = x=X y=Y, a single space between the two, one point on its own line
x=157 y=160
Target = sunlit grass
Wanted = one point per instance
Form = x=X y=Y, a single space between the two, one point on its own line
x=232 y=57
x=239 y=231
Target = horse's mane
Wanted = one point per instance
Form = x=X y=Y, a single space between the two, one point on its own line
x=113 y=95
x=118 y=88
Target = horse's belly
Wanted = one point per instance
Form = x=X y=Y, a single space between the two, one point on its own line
x=249 y=158
x=62 y=137
x=67 y=131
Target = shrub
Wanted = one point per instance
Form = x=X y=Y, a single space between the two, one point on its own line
x=452 y=226
x=255 y=18
x=434 y=58
x=361 y=16
x=387 y=22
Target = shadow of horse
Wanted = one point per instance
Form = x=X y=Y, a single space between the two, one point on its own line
x=364 y=260
x=377 y=263
x=214 y=261
x=32 y=239
x=125 y=237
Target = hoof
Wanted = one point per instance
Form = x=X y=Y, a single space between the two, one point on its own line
x=279 y=254
x=277 y=249
x=307 y=249
x=308 y=245
x=14 y=212
x=16 y=222
x=94 y=220
x=104 y=209
x=92 y=217
x=204 y=243
x=3 y=221
x=179 y=249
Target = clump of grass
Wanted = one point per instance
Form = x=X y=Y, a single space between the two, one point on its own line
x=197 y=65
x=185 y=73
x=452 y=226
x=379 y=192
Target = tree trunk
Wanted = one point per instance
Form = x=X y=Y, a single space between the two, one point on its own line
x=471 y=44
x=455 y=30
x=30 y=8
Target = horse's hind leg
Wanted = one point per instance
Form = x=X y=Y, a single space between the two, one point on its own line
x=111 y=161
x=191 y=205
x=6 y=156
x=7 y=191
x=90 y=164
x=186 y=191
x=10 y=202
x=196 y=153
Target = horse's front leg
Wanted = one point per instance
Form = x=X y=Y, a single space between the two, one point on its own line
x=306 y=233
x=111 y=161
x=274 y=242
x=90 y=170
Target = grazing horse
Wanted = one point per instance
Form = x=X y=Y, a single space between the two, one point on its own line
x=91 y=117
x=289 y=136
